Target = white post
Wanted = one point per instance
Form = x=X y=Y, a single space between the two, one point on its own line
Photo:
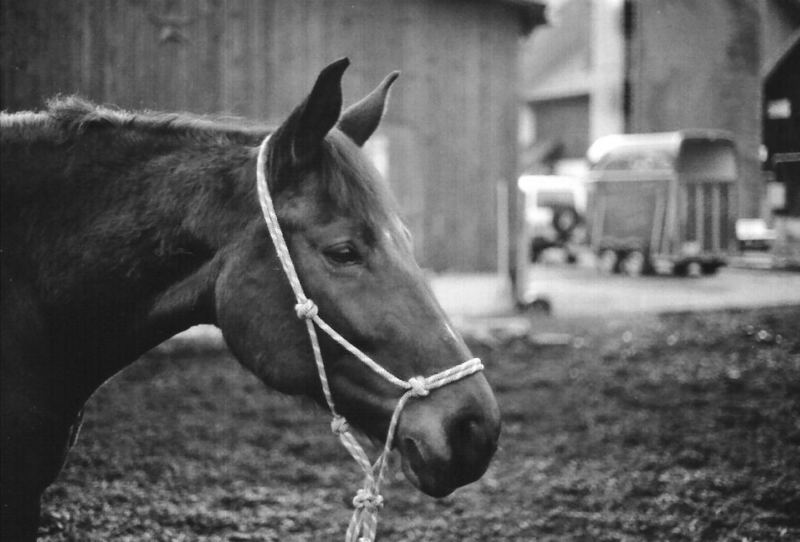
x=503 y=255
x=606 y=108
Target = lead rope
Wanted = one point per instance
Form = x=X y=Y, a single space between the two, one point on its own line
x=368 y=499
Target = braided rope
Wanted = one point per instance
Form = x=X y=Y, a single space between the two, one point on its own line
x=368 y=500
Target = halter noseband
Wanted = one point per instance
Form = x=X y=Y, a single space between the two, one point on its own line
x=364 y=522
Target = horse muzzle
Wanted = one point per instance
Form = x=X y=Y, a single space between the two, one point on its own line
x=447 y=439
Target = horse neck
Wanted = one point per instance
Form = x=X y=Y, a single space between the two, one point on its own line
x=125 y=246
x=197 y=199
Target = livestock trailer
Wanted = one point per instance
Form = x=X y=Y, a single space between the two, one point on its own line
x=662 y=201
x=786 y=248
x=555 y=207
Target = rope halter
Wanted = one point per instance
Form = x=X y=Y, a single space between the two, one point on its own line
x=368 y=499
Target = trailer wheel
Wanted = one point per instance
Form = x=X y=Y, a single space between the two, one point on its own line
x=634 y=264
x=608 y=261
x=680 y=269
x=685 y=269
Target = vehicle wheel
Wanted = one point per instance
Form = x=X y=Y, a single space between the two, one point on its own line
x=709 y=269
x=538 y=245
x=680 y=269
x=565 y=220
x=539 y=305
x=634 y=264
x=608 y=261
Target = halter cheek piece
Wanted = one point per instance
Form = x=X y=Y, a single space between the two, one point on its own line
x=363 y=524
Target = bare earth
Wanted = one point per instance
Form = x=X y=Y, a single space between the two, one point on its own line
x=678 y=427
x=577 y=291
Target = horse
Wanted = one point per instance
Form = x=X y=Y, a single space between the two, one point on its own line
x=121 y=229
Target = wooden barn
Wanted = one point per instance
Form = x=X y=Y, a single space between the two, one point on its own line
x=450 y=134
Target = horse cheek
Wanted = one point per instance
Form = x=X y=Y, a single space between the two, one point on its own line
x=251 y=312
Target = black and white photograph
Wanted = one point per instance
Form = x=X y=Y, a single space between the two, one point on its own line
x=399 y=270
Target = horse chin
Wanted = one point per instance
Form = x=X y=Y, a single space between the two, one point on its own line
x=419 y=474
x=411 y=476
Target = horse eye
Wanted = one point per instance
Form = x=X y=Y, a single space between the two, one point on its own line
x=342 y=254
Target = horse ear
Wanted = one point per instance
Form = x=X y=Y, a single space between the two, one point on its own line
x=302 y=133
x=360 y=120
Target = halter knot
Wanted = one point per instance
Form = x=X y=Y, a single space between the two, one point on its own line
x=366 y=498
x=339 y=425
x=419 y=387
x=306 y=309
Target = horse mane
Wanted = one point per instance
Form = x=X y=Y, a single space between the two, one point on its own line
x=351 y=184
x=67 y=118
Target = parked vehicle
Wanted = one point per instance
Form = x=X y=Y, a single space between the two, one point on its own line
x=754 y=234
x=555 y=210
x=662 y=201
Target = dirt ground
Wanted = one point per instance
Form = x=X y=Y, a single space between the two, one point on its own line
x=679 y=427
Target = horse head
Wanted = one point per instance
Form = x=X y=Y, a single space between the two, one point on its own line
x=354 y=259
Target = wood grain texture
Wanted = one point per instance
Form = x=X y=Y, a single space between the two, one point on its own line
x=451 y=125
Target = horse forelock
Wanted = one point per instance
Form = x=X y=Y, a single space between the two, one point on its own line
x=354 y=187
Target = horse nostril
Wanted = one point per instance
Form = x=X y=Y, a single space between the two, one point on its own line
x=465 y=431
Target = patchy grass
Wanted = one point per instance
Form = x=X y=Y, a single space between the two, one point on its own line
x=680 y=427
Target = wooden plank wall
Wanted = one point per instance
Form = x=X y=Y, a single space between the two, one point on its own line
x=451 y=126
